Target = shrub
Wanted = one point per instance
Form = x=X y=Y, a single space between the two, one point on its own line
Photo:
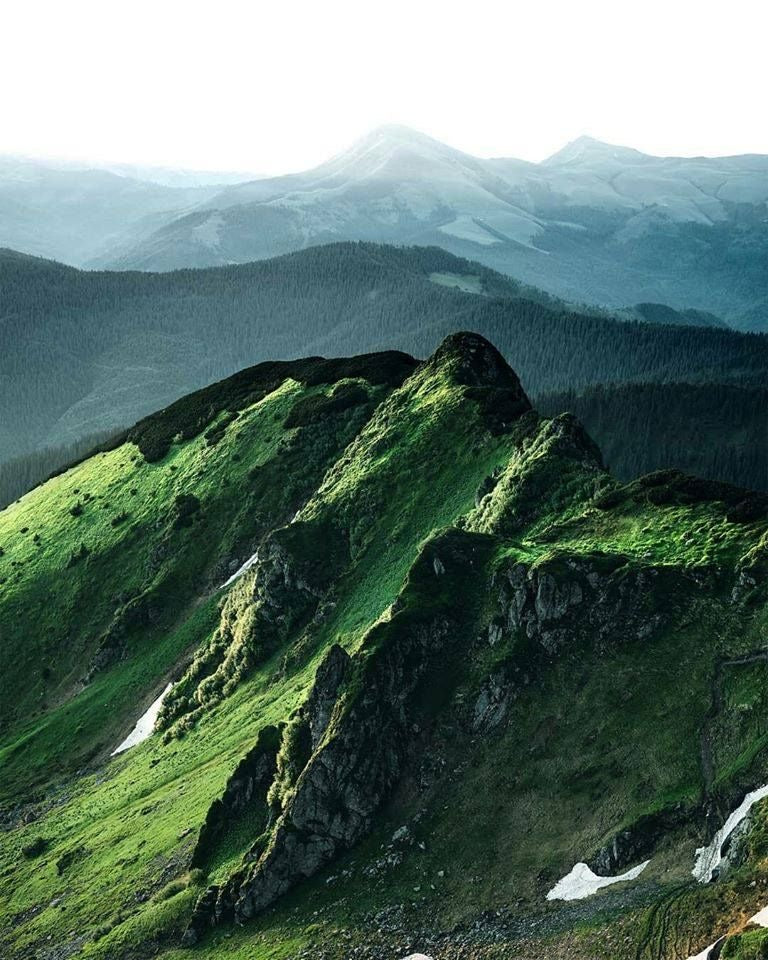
x=35 y=847
x=77 y=555
x=185 y=506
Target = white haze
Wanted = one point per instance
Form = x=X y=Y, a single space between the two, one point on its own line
x=273 y=87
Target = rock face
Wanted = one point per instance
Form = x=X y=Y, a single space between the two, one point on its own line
x=296 y=568
x=351 y=741
x=558 y=466
x=487 y=377
x=359 y=714
x=572 y=597
x=640 y=840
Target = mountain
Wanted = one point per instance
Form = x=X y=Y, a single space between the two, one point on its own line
x=75 y=213
x=365 y=657
x=594 y=223
x=91 y=352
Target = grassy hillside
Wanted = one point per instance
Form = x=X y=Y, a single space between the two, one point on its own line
x=465 y=659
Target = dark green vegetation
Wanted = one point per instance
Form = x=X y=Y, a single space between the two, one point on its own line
x=712 y=430
x=465 y=659
x=85 y=352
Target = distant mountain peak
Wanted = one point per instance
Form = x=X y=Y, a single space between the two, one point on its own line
x=397 y=133
x=586 y=148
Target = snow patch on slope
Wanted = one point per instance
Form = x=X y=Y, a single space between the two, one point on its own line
x=709 y=858
x=241 y=570
x=144 y=725
x=582 y=882
x=706 y=951
x=760 y=919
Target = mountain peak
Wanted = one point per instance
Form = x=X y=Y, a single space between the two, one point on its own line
x=479 y=363
x=396 y=133
x=471 y=361
x=393 y=152
x=585 y=149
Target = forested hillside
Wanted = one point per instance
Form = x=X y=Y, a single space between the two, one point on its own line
x=89 y=352
x=713 y=430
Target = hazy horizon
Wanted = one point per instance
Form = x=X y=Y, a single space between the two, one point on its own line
x=84 y=162
x=268 y=91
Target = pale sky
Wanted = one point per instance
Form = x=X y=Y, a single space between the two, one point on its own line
x=280 y=86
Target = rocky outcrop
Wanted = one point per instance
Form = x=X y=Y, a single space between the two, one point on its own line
x=329 y=678
x=603 y=598
x=558 y=466
x=296 y=567
x=478 y=366
x=639 y=840
x=360 y=714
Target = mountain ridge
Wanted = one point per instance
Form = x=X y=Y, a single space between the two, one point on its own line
x=118 y=345
x=411 y=645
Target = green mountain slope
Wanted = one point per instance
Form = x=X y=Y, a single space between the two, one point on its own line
x=426 y=655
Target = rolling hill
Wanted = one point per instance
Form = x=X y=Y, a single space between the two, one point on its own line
x=76 y=212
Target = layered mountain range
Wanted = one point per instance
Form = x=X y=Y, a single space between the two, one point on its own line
x=366 y=657
x=594 y=223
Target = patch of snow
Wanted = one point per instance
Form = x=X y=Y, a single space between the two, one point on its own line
x=144 y=725
x=241 y=570
x=706 y=951
x=582 y=882
x=417 y=956
x=760 y=918
x=709 y=858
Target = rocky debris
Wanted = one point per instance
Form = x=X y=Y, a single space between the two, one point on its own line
x=492 y=703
